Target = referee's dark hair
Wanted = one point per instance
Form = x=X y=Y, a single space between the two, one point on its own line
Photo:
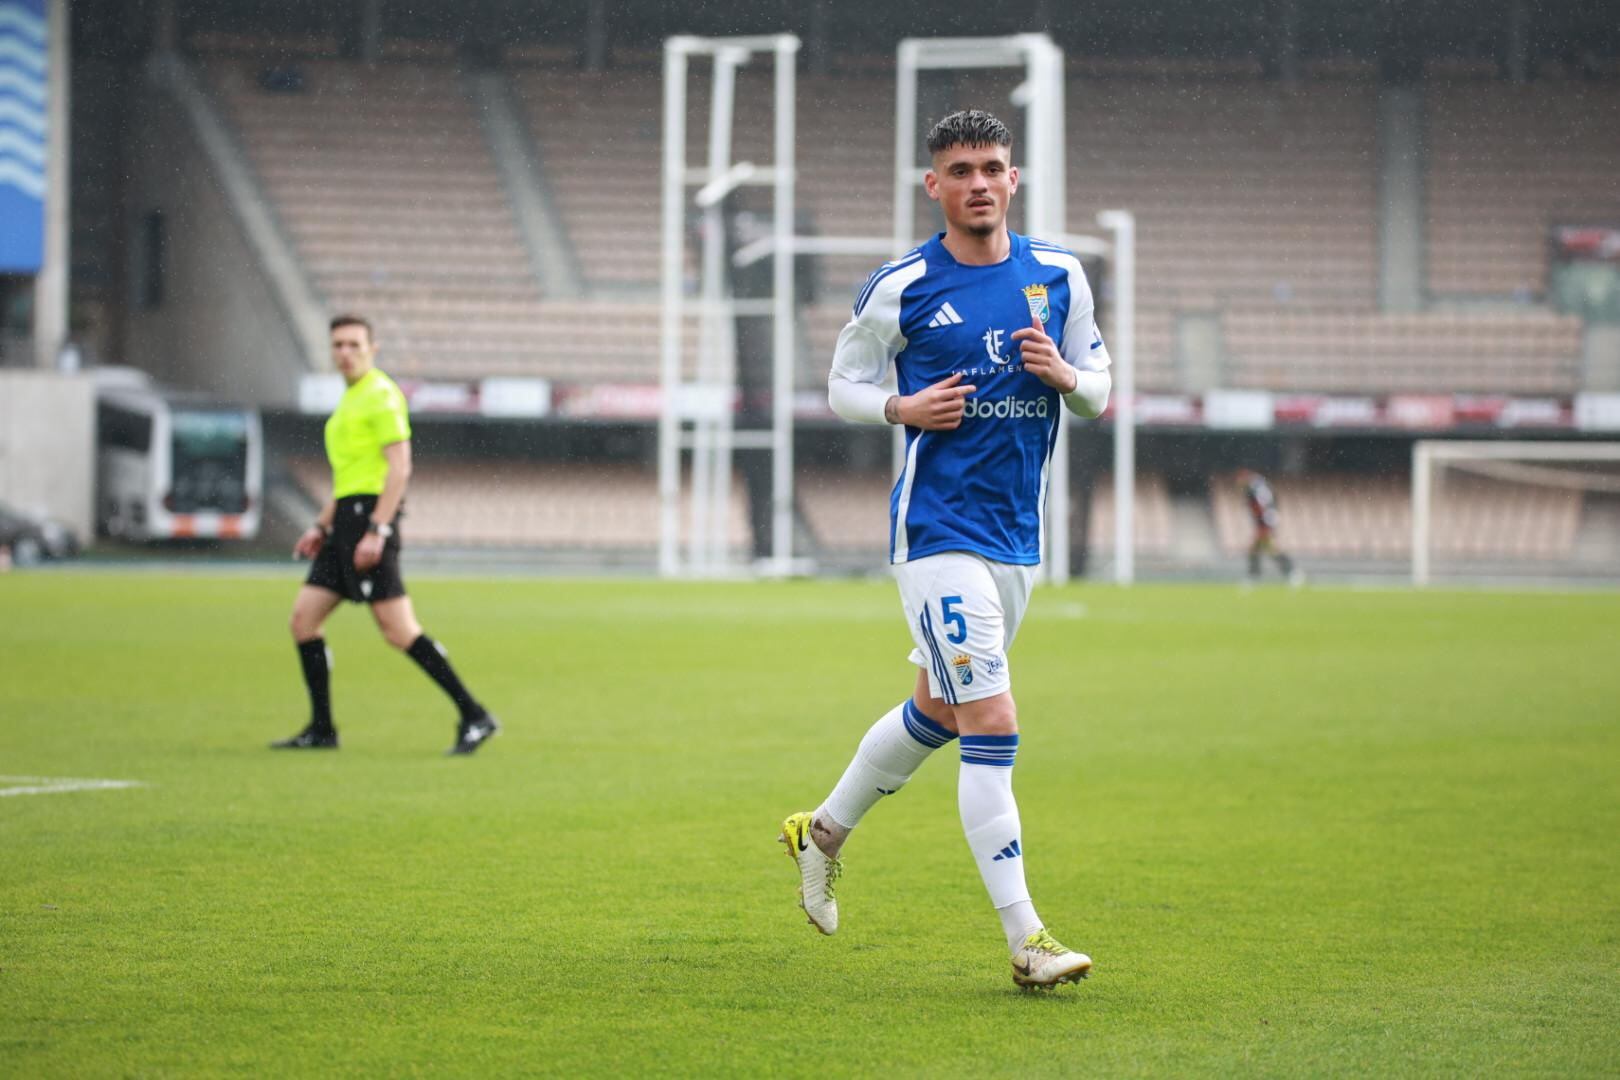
x=352 y=320
x=968 y=127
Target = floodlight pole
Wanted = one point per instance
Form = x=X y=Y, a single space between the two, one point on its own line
x=1122 y=223
x=669 y=364
x=784 y=341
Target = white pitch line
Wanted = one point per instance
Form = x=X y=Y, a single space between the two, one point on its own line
x=51 y=785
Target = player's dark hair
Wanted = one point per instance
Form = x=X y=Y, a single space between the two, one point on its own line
x=968 y=127
x=352 y=320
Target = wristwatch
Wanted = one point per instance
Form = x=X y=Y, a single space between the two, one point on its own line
x=384 y=531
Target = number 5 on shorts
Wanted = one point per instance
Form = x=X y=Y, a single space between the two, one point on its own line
x=953 y=618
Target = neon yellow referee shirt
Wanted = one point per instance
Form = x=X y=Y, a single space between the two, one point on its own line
x=370 y=416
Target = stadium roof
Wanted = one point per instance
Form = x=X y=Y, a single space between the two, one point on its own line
x=1401 y=35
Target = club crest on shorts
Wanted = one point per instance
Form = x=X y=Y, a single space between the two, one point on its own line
x=963 y=664
x=1035 y=297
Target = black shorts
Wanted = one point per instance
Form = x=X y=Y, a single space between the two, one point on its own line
x=334 y=563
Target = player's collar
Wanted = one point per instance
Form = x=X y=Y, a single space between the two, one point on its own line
x=1016 y=247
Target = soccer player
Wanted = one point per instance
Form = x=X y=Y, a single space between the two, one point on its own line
x=990 y=334
x=1263 y=508
x=355 y=543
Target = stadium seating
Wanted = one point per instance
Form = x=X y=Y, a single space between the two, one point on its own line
x=601 y=140
x=383 y=180
x=847 y=512
x=1150 y=515
x=613 y=508
x=601 y=508
x=1507 y=162
x=1361 y=352
x=1255 y=201
x=1226 y=213
x=1370 y=517
x=1245 y=193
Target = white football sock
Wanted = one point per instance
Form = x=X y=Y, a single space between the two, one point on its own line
x=1018 y=921
x=891 y=751
x=984 y=797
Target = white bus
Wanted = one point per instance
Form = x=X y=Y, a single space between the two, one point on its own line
x=176 y=466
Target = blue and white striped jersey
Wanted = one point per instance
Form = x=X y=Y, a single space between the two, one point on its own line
x=982 y=487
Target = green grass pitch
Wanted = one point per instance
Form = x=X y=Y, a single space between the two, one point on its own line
x=1316 y=833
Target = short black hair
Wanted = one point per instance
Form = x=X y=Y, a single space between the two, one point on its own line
x=968 y=127
x=352 y=320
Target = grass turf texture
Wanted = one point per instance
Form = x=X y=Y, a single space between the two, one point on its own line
x=1323 y=832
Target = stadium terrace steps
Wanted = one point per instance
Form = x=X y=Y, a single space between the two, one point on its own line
x=1364 y=516
x=505 y=504
x=1481 y=351
x=1256 y=203
x=1244 y=192
x=602 y=141
x=1150 y=515
x=614 y=507
x=1507 y=162
x=572 y=341
x=847 y=511
x=356 y=162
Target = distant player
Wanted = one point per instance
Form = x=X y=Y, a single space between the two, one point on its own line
x=1263 y=508
x=964 y=321
x=355 y=543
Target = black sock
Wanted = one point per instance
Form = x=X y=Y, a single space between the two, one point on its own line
x=431 y=659
x=1254 y=564
x=1285 y=564
x=318 y=677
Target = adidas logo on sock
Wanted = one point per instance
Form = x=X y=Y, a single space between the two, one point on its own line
x=945 y=316
x=1011 y=851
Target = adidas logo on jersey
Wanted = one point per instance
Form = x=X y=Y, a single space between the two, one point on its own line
x=945 y=316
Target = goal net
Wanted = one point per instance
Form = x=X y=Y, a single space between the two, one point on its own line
x=1515 y=510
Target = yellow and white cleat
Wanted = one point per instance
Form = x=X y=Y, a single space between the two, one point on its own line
x=1042 y=963
x=818 y=875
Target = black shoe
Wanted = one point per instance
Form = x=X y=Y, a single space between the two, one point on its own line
x=311 y=738
x=471 y=734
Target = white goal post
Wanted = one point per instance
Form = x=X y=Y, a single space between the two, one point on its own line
x=1527 y=462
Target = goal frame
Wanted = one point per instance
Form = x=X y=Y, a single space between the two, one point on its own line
x=1429 y=454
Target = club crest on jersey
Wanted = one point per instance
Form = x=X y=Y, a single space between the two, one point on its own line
x=964 y=668
x=1035 y=297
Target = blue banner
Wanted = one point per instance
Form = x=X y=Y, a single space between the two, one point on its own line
x=23 y=83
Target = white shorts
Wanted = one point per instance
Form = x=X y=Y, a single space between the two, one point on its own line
x=963 y=611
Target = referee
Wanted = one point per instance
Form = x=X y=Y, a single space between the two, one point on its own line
x=355 y=543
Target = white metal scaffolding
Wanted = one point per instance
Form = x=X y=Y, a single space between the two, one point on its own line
x=699 y=414
x=1122 y=348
